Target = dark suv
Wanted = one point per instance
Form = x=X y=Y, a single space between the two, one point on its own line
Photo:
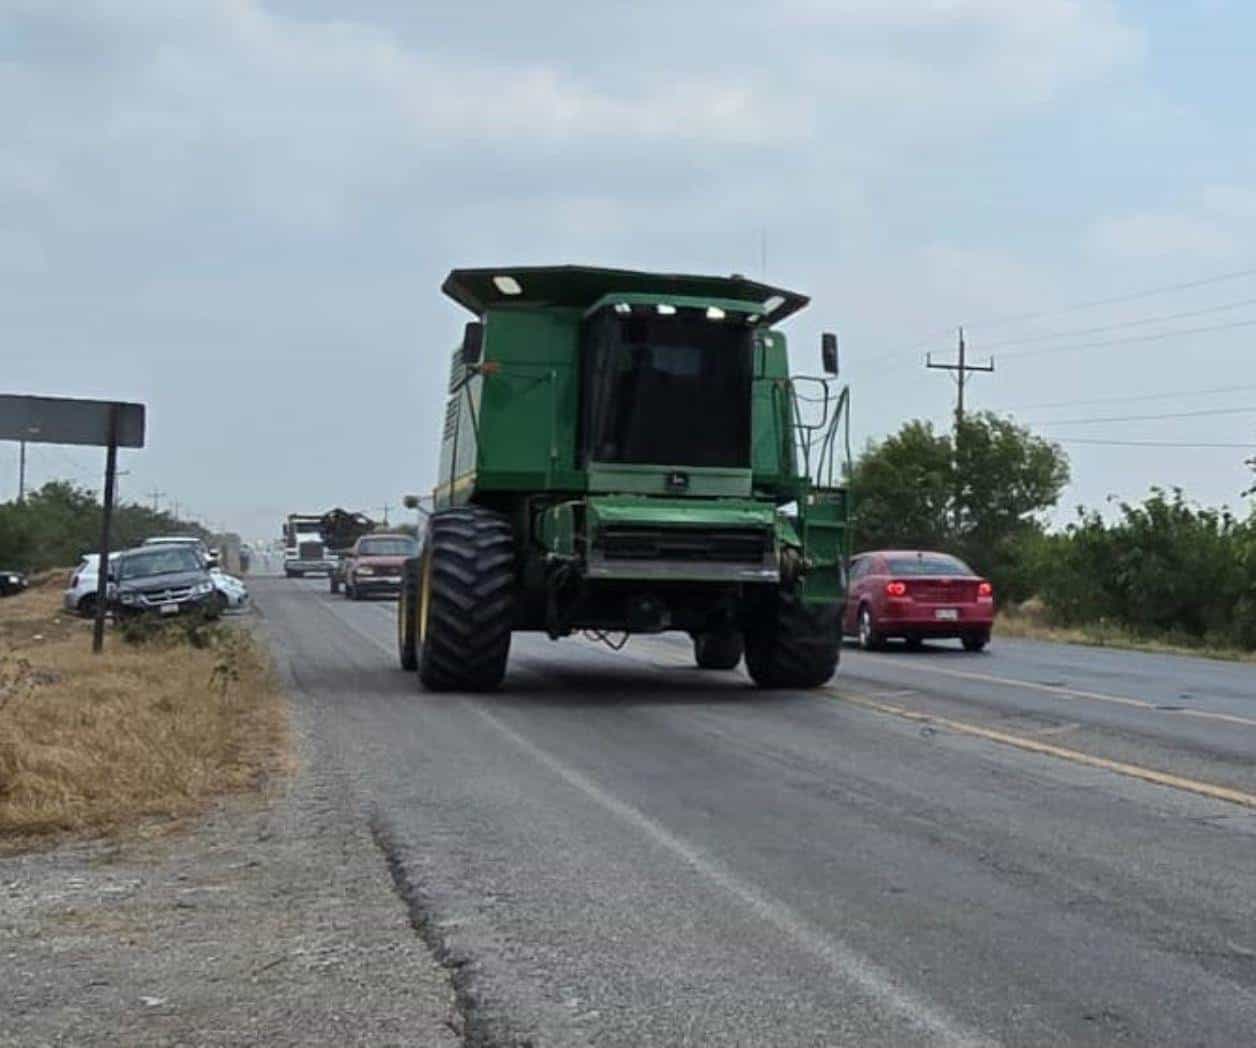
x=167 y=580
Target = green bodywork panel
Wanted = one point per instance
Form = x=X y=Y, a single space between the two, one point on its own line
x=702 y=482
x=823 y=525
x=665 y=512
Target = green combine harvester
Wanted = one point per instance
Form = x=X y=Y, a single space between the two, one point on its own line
x=626 y=452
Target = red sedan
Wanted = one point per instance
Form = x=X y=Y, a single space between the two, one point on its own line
x=916 y=594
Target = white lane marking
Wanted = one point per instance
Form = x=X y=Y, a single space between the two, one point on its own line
x=845 y=962
x=868 y=977
x=1062 y=691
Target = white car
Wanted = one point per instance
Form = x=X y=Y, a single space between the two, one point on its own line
x=80 y=595
x=232 y=590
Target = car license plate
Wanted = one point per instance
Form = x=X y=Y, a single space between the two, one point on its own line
x=170 y=609
x=946 y=614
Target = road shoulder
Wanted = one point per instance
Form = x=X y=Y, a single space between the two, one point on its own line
x=274 y=922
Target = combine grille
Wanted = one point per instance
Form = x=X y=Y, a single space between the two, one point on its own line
x=724 y=545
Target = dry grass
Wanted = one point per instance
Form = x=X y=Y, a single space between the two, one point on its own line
x=95 y=742
x=1029 y=622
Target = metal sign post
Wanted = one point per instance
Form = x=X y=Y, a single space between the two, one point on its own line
x=102 y=573
x=61 y=420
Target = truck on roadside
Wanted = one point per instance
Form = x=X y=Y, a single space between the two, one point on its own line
x=627 y=452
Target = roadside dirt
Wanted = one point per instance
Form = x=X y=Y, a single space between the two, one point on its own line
x=271 y=923
x=229 y=904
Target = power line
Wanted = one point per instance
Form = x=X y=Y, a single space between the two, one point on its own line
x=1150 y=443
x=1142 y=418
x=1133 y=397
x=1048 y=335
x=1154 y=337
x=1132 y=296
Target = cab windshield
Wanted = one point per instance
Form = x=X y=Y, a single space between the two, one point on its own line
x=666 y=389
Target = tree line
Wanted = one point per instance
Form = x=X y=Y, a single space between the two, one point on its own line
x=55 y=525
x=1163 y=568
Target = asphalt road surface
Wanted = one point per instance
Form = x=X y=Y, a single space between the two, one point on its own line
x=1037 y=845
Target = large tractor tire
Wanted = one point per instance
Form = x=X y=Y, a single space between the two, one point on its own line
x=466 y=593
x=407 y=619
x=793 y=645
x=717 y=651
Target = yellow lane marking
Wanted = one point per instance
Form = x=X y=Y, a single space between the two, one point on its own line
x=1070 y=693
x=1133 y=771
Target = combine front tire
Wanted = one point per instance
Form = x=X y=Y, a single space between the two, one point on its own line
x=793 y=645
x=717 y=651
x=466 y=592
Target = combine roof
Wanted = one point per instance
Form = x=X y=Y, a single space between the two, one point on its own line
x=581 y=286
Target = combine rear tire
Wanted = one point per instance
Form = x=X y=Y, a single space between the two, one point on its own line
x=466 y=593
x=793 y=645
x=717 y=651
x=407 y=641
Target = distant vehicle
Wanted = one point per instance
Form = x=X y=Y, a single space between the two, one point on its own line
x=208 y=556
x=313 y=545
x=304 y=549
x=916 y=594
x=80 y=593
x=374 y=565
x=11 y=582
x=230 y=591
x=166 y=579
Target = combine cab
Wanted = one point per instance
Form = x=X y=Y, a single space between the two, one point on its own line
x=623 y=453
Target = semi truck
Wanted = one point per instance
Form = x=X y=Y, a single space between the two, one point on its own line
x=314 y=543
x=626 y=452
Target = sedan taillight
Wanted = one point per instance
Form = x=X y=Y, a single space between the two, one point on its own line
x=985 y=591
x=896 y=589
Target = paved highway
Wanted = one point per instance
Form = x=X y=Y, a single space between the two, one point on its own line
x=1039 y=845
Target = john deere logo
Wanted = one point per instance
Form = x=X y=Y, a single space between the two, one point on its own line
x=677 y=481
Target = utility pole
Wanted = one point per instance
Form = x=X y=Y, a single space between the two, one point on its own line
x=386 y=507
x=961 y=370
x=21 y=472
x=155 y=494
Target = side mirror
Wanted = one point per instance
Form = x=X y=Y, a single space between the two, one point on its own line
x=472 y=343
x=828 y=353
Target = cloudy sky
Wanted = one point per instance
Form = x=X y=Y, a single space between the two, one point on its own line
x=240 y=211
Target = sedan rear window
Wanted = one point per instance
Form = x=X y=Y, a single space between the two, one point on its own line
x=167 y=561
x=928 y=564
x=389 y=548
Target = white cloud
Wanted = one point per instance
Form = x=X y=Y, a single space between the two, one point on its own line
x=1160 y=236
x=1234 y=202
